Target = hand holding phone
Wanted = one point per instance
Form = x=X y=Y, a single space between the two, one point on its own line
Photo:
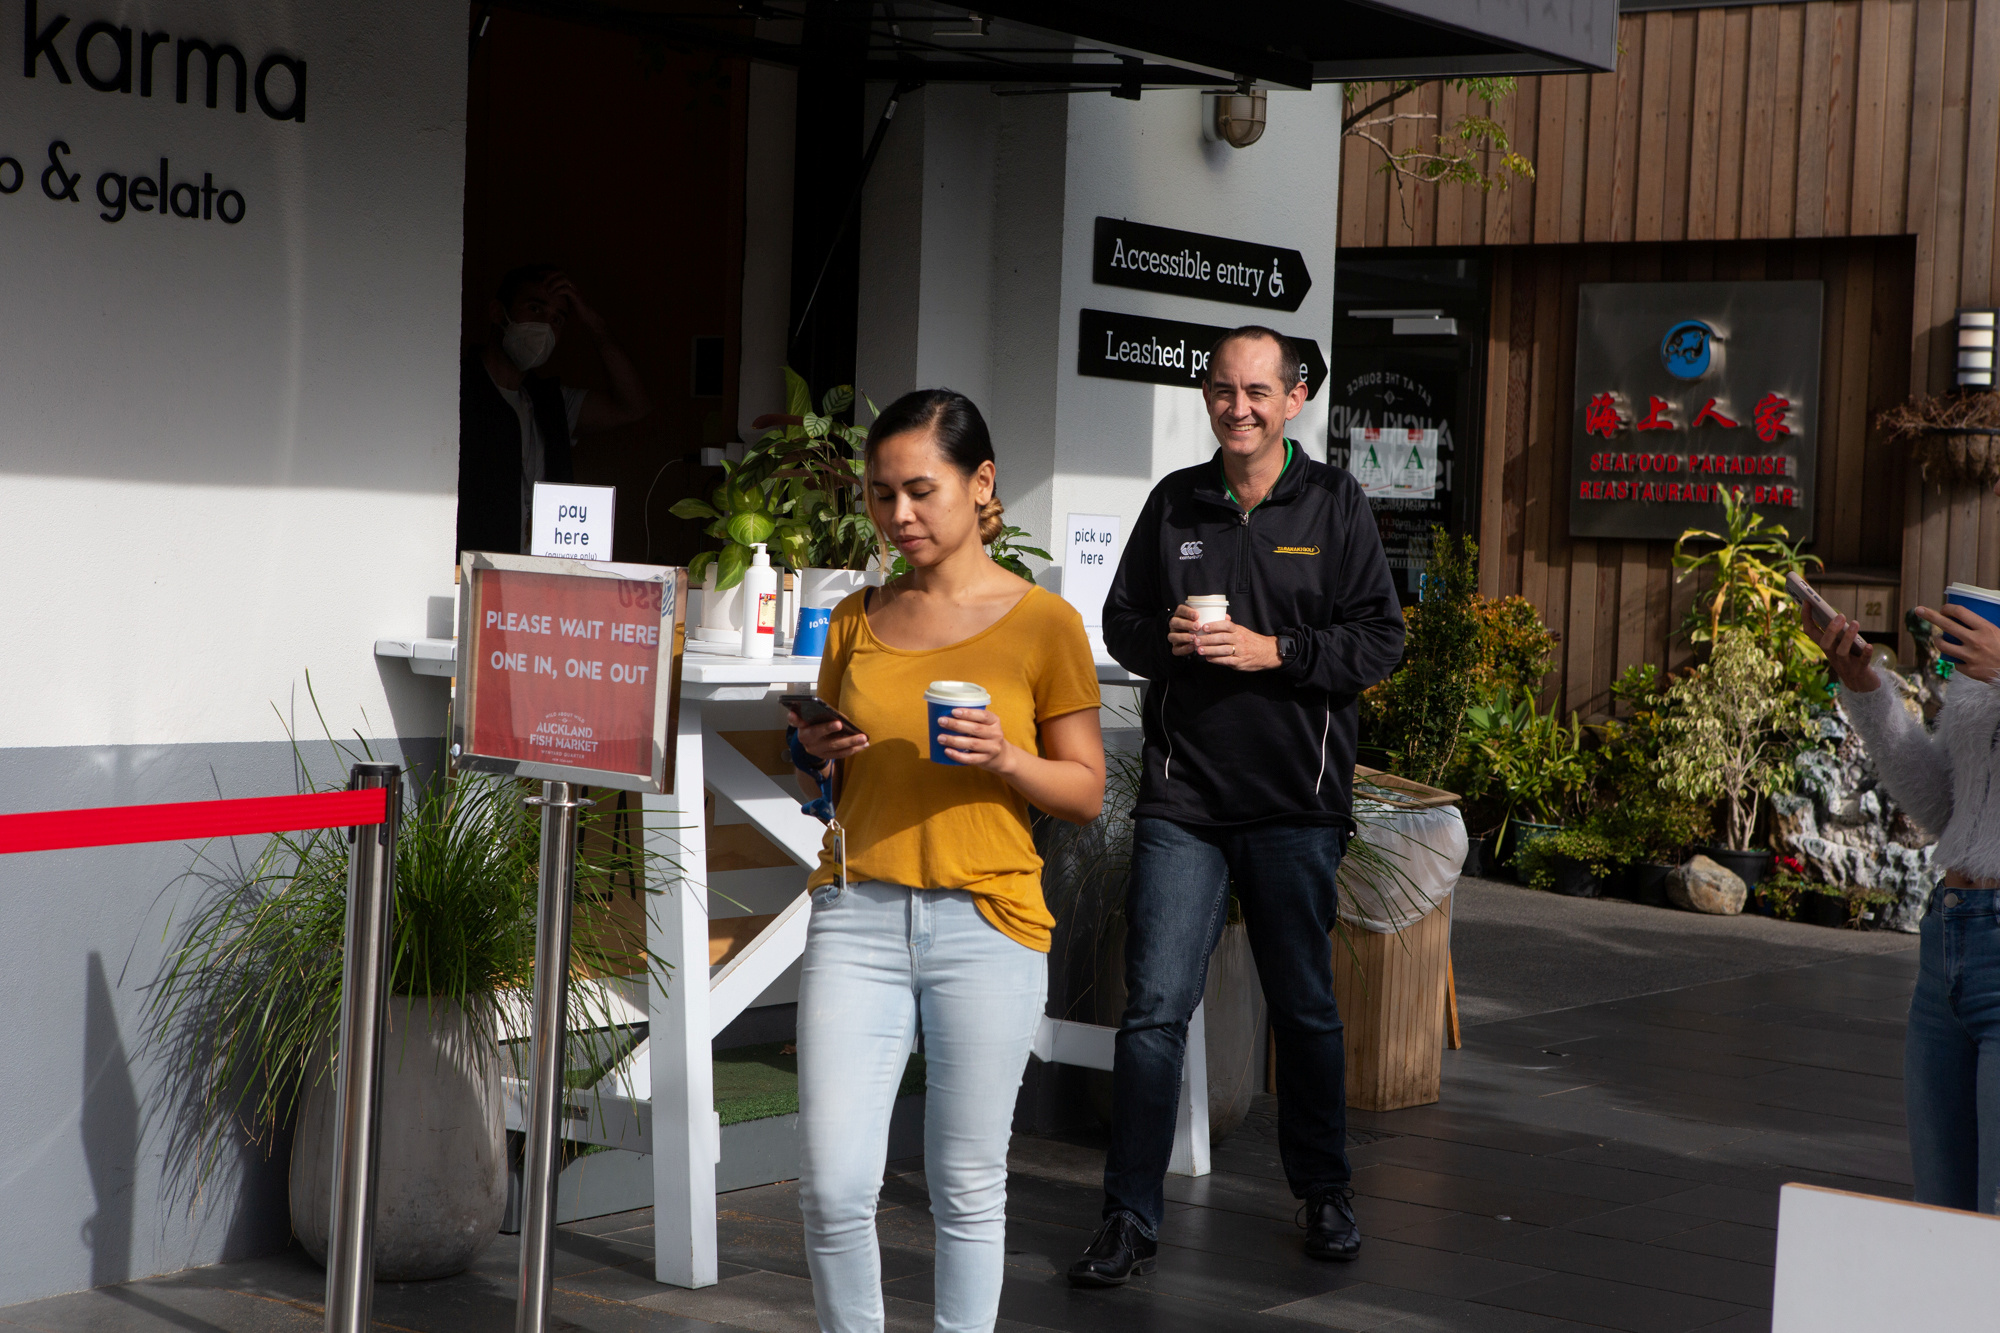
x=823 y=729
x=1820 y=612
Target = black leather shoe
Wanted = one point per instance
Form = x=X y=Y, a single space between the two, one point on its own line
x=1331 y=1231
x=1118 y=1253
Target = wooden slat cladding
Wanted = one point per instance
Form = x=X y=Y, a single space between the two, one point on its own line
x=1768 y=123
x=1615 y=603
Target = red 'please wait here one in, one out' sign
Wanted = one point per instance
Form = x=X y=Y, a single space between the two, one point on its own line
x=570 y=670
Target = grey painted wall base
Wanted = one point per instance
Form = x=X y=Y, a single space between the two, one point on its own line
x=754 y=1152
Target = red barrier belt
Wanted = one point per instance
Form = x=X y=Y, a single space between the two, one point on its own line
x=109 y=825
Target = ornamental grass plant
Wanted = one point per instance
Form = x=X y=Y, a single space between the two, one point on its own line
x=247 y=1004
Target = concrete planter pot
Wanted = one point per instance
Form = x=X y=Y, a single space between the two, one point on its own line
x=442 y=1185
x=829 y=587
x=1235 y=1017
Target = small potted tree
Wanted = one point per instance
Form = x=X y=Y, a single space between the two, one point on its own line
x=1731 y=736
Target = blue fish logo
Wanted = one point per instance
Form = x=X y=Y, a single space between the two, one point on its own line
x=1688 y=349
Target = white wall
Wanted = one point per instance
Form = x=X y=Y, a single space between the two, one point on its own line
x=229 y=457
x=1146 y=161
x=230 y=451
x=976 y=261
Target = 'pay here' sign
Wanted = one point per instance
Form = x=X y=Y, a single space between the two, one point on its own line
x=572 y=521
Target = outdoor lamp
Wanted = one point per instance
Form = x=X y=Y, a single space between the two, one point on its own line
x=1236 y=119
x=1975 y=348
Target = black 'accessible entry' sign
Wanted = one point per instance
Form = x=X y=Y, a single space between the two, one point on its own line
x=1165 y=351
x=1187 y=263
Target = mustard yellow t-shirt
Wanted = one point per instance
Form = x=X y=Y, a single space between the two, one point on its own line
x=948 y=826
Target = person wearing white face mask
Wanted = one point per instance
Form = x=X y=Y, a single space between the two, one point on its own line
x=516 y=427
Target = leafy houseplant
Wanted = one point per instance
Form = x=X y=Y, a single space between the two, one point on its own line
x=1640 y=813
x=1537 y=762
x=249 y=997
x=1746 y=564
x=814 y=462
x=1420 y=710
x=744 y=511
x=1584 y=857
x=1733 y=731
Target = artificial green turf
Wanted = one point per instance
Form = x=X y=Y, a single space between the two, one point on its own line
x=758 y=1082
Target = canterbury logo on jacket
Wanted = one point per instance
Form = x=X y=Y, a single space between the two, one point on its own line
x=1226 y=747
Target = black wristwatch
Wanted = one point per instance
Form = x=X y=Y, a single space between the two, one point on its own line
x=1287 y=646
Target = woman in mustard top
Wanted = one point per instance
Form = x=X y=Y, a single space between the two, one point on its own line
x=935 y=922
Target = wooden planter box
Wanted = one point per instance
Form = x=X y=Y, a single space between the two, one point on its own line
x=1391 y=992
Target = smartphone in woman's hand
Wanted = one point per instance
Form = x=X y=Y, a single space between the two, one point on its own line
x=1818 y=609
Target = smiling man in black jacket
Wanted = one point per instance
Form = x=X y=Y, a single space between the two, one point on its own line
x=1249 y=751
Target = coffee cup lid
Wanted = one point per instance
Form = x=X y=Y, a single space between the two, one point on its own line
x=957 y=691
x=1209 y=599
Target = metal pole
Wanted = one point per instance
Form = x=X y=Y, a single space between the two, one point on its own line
x=559 y=804
x=364 y=994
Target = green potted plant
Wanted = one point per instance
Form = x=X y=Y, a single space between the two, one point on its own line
x=1651 y=823
x=1536 y=764
x=814 y=462
x=1575 y=862
x=1418 y=714
x=248 y=1002
x=1731 y=735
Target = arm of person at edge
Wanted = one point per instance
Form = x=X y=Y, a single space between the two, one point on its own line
x=1135 y=628
x=1914 y=765
x=1067 y=780
x=626 y=401
x=1363 y=645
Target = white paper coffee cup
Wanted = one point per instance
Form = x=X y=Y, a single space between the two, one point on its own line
x=1209 y=607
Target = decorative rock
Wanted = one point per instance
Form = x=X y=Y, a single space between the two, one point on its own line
x=1848 y=831
x=1702 y=885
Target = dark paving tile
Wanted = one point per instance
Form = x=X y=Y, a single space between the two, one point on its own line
x=1757 y=1208
x=1050 y=1302
x=1618 y=1305
x=1728 y=1240
x=1651 y=1266
x=1368 y=1308
x=1461 y=1233
x=1458 y=1194
x=1644 y=1225
x=148 y=1308
x=1582 y=1179
x=1750 y=1321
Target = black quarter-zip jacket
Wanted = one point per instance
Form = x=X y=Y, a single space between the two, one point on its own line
x=1228 y=748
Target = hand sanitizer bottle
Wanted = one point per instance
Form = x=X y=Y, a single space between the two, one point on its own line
x=760 y=605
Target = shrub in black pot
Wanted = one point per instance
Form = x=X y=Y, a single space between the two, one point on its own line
x=1644 y=882
x=1574 y=862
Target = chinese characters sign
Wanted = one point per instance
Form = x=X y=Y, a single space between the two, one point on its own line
x=566 y=670
x=1686 y=391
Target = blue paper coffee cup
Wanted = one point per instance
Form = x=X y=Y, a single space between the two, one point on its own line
x=939 y=700
x=809 y=640
x=1982 y=602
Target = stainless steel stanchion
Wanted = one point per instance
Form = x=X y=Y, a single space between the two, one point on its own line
x=559 y=802
x=364 y=994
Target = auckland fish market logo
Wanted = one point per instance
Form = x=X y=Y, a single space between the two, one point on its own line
x=1688 y=350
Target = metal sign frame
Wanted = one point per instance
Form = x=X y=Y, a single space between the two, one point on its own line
x=666 y=675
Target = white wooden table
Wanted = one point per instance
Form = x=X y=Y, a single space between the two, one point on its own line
x=662 y=1101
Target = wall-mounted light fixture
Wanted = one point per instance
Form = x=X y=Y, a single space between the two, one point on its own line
x=1236 y=119
x=1975 y=348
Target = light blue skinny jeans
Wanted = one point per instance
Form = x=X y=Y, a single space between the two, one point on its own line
x=880 y=962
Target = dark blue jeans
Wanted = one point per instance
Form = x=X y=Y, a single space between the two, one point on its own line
x=1174 y=914
x=1951 y=1054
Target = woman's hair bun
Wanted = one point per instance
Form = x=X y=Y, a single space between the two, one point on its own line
x=991 y=520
